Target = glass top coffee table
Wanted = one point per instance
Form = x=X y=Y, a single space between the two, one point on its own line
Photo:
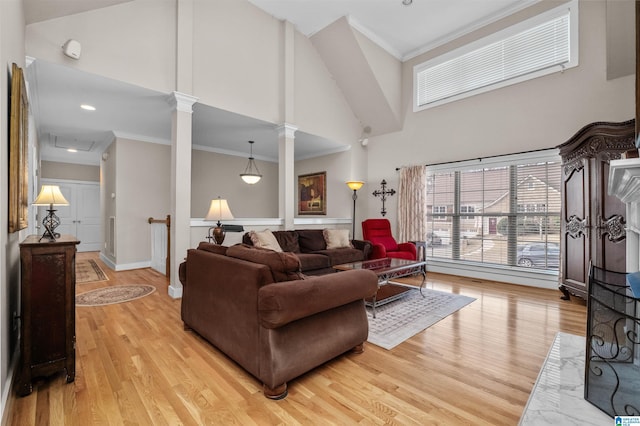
x=386 y=270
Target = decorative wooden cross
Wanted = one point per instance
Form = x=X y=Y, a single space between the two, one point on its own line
x=383 y=192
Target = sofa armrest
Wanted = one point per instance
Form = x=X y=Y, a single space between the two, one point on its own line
x=410 y=247
x=377 y=251
x=284 y=302
x=364 y=246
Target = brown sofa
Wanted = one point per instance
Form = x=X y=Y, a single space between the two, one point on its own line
x=310 y=247
x=255 y=306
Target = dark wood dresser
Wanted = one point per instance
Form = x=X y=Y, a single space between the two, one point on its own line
x=48 y=305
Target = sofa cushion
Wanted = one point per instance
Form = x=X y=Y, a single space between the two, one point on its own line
x=213 y=248
x=311 y=240
x=288 y=240
x=265 y=239
x=284 y=266
x=313 y=261
x=342 y=255
x=336 y=238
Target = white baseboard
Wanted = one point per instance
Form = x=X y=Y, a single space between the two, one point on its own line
x=8 y=386
x=124 y=266
x=175 y=292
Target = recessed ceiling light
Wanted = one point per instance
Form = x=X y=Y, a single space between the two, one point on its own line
x=72 y=150
x=88 y=107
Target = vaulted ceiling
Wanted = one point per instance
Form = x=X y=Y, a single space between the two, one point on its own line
x=337 y=29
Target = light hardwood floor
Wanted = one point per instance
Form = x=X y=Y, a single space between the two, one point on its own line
x=136 y=365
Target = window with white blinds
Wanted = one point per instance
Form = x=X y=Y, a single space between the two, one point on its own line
x=545 y=44
x=504 y=213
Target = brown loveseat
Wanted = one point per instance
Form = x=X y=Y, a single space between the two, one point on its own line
x=255 y=306
x=310 y=247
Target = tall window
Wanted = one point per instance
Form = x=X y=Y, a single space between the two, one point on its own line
x=506 y=213
x=541 y=45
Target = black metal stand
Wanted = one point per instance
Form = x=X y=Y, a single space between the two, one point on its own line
x=353 y=232
x=50 y=223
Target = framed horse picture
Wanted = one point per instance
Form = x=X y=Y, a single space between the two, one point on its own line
x=312 y=194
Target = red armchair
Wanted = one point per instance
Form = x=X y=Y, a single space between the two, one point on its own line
x=378 y=232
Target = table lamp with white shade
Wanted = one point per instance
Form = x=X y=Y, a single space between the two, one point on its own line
x=218 y=210
x=50 y=195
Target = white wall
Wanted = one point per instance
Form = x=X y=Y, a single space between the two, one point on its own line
x=69 y=171
x=108 y=204
x=11 y=50
x=339 y=202
x=214 y=175
x=135 y=186
x=142 y=191
x=320 y=107
x=536 y=114
x=132 y=42
x=236 y=58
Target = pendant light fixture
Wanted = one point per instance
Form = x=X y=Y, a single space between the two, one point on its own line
x=251 y=173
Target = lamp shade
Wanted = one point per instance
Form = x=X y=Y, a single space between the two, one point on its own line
x=251 y=173
x=219 y=210
x=250 y=178
x=50 y=195
x=355 y=184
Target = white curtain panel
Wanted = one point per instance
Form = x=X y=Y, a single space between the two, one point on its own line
x=412 y=199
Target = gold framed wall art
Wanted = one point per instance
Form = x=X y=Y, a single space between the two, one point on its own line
x=18 y=152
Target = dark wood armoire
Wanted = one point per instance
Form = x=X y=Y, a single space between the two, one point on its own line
x=592 y=225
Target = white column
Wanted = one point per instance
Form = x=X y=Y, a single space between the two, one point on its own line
x=286 y=174
x=180 y=185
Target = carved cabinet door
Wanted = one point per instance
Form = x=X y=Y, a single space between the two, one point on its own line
x=609 y=236
x=575 y=244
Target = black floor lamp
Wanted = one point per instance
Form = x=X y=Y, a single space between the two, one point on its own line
x=355 y=185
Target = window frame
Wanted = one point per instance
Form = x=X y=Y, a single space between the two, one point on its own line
x=573 y=10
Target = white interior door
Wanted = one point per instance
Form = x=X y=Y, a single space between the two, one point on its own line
x=81 y=218
x=88 y=217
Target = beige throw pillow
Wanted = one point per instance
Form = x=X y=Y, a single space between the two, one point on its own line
x=336 y=238
x=265 y=239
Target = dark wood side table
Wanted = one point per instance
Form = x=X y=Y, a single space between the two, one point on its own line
x=48 y=309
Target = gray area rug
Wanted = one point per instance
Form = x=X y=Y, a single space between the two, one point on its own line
x=397 y=321
x=114 y=294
